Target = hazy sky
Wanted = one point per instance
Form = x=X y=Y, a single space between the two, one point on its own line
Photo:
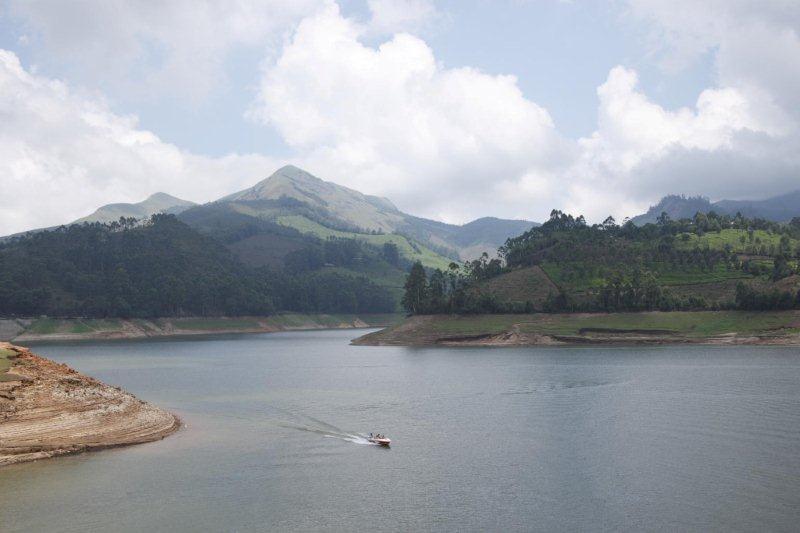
x=453 y=109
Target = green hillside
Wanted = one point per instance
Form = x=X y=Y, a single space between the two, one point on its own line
x=568 y=265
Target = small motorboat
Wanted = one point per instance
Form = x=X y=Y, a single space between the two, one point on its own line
x=379 y=439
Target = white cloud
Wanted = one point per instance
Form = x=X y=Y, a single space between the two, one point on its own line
x=176 y=48
x=391 y=120
x=62 y=155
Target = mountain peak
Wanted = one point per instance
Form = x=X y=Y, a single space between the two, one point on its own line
x=162 y=196
x=294 y=173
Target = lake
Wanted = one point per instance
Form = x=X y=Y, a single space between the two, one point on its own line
x=517 y=439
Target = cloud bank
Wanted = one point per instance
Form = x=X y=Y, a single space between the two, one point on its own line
x=452 y=143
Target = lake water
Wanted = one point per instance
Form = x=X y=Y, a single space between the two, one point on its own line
x=543 y=439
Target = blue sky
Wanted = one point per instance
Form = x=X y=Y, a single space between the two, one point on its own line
x=596 y=107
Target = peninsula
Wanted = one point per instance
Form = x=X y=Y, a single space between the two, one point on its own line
x=48 y=409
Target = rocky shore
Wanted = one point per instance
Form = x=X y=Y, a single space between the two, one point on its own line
x=48 y=409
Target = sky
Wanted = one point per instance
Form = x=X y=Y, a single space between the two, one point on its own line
x=453 y=109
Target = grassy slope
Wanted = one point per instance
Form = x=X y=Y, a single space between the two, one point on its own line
x=686 y=324
x=409 y=250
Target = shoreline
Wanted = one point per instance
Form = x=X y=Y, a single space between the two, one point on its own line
x=77 y=330
x=781 y=328
x=48 y=410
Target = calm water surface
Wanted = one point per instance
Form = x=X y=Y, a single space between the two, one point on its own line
x=545 y=439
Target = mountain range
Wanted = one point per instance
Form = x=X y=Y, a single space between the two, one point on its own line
x=294 y=199
x=781 y=208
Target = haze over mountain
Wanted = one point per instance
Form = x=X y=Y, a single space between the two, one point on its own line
x=781 y=208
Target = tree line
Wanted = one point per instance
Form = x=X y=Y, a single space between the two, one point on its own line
x=161 y=267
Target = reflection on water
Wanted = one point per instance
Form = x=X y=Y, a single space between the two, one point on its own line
x=547 y=439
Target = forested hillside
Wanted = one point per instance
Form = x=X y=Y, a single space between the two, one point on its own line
x=165 y=268
x=708 y=261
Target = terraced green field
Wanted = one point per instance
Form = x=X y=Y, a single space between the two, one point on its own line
x=667 y=276
x=737 y=239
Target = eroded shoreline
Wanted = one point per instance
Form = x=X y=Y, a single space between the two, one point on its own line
x=712 y=328
x=47 y=409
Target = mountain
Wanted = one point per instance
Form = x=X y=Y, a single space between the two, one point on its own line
x=295 y=198
x=781 y=208
x=157 y=203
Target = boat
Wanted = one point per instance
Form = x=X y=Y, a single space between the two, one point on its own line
x=380 y=440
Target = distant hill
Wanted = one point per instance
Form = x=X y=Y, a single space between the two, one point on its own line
x=159 y=202
x=781 y=208
x=155 y=204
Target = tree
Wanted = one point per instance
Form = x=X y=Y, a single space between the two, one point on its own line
x=390 y=253
x=609 y=223
x=416 y=288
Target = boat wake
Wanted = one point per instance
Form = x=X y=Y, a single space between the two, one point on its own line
x=328 y=431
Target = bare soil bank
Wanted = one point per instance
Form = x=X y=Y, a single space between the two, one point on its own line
x=49 y=329
x=48 y=409
x=706 y=327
